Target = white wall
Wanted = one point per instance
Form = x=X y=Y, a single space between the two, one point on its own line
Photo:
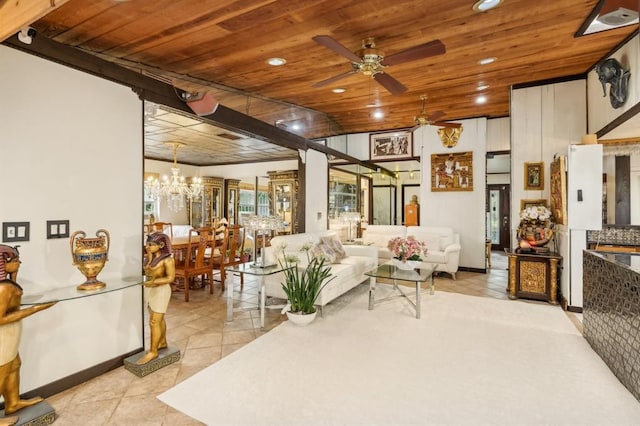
x=71 y=146
x=545 y=120
x=462 y=211
x=317 y=190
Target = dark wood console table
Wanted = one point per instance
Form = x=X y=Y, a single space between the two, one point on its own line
x=534 y=276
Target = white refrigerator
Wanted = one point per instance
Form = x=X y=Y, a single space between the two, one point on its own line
x=584 y=212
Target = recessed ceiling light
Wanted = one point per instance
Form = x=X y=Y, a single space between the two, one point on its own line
x=484 y=5
x=339 y=90
x=295 y=126
x=482 y=87
x=481 y=100
x=378 y=114
x=276 y=62
x=486 y=61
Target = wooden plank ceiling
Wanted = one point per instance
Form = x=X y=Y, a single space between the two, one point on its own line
x=223 y=45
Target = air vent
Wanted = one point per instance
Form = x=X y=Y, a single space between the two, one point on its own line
x=618 y=17
x=229 y=136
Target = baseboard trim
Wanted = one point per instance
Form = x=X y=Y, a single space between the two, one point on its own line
x=574 y=309
x=79 y=377
x=467 y=269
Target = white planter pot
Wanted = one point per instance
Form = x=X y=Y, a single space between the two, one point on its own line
x=300 y=319
x=407 y=266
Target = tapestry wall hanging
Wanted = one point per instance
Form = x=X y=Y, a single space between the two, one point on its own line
x=558 y=190
x=452 y=171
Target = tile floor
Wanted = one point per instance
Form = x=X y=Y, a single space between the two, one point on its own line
x=199 y=330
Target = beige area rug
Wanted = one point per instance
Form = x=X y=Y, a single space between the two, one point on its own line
x=468 y=361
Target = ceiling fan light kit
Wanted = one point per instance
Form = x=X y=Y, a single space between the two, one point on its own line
x=371 y=61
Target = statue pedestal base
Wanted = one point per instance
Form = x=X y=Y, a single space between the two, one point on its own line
x=36 y=415
x=165 y=357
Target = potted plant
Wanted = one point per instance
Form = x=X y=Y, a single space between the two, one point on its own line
x=303 y=284
x=244 y=255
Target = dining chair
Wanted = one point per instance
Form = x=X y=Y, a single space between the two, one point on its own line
x=160 y=227
x=198 y=261
x=235 y=245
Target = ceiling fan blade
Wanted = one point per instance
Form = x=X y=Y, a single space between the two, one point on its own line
x=334 y=78
x=432 y=48
x=391 y=84
x=334 y=45
x=445 y=124
x=436 y=116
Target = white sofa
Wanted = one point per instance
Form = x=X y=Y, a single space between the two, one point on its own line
x=348 y=273
x=443 y=245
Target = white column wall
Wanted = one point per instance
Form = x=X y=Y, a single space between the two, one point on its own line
x=463 y=211
x=545 y=120
x=317 y=190
x=71 y=148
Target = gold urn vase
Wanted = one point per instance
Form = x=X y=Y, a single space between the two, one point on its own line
x=89 y=256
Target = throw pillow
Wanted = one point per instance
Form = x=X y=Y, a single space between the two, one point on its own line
x=334 y=243
x=323 y=250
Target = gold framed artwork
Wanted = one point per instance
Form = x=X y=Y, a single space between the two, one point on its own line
x=532 y=203
x=534 y=176
x=452 y=172
x=558 y=190
x=396 y=145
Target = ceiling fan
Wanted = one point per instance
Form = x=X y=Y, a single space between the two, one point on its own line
x=423 y=119
x=371 y=61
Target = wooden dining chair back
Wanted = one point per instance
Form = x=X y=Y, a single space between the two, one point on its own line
x=164 y=227
x=198 y=260
x=235 y=246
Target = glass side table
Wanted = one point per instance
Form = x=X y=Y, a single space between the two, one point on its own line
x=71 y=292
x=250 y=269
x=388 y=271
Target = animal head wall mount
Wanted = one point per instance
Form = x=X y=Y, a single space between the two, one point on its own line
x=612 y=72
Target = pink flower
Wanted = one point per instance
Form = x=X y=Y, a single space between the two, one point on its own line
x=407 y=248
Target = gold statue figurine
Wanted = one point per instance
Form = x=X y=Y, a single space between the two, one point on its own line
x=160 y=272
x=10 y=330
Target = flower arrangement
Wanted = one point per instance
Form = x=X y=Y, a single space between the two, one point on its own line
x=535 y=214
x=407 y=248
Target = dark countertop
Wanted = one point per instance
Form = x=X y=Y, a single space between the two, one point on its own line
x=626 y=260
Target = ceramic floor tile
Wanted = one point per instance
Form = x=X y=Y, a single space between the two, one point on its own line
x=200 y=331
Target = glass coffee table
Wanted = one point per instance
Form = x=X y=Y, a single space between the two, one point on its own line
x=388 y=271
x=249 y=268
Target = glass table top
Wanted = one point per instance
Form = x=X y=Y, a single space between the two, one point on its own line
x=71 y=292
x=394 y=273
x=251 y=269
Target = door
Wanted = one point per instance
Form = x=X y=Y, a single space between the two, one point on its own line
x=498 y=216
x=384 y=205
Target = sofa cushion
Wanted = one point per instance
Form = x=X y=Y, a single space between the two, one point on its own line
x=324 y=250
x=426 y=233
x=333 y=242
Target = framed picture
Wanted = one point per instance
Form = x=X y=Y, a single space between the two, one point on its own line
x=534 y=176
x=532 y=203
x=391 y=145
x=452 y=172
x=15 y=231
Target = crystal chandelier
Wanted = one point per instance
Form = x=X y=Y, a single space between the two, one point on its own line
x=175 y=187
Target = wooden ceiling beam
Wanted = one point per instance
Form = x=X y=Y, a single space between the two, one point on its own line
x=153 y=90
x=162 y=93
x=15 y=15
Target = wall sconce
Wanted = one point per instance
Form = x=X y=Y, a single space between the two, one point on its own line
x=449 y=136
